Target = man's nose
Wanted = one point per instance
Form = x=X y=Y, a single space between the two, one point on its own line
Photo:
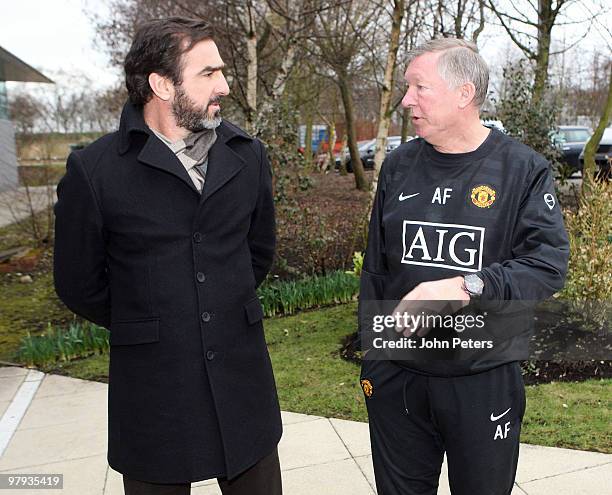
x=222 y=88
x=408 y=100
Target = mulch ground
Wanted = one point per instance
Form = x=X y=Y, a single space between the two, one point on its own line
x=534 y=372
x=321 y=228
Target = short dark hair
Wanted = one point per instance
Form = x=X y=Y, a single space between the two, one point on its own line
x=158 y=47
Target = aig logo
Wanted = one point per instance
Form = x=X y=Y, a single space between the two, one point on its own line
x=445 y=245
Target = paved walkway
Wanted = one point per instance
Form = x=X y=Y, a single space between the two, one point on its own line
x=55 y=424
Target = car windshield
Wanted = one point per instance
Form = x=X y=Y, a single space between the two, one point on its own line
x=574 y=135
x=365 y=145
x=394 y=141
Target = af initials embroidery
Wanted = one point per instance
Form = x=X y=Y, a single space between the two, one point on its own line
x=441 y=195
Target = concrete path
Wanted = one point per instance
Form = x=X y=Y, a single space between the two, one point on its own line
x=54 y=424
x=18 y=204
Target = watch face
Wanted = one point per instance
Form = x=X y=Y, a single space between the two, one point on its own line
x=474 y=284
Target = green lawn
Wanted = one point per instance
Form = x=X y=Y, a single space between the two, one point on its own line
x=312 y=379
x=582 y=423
x=27 y=307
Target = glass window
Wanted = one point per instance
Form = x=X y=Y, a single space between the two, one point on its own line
x=3 y=101
x=575 y=135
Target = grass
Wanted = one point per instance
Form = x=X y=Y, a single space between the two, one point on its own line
x=571 y=415
x=27 y=307
x=313 y=379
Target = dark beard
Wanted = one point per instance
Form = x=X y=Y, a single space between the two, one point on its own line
x=189 y=116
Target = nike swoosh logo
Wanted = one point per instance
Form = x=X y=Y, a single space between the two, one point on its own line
x=402 y=197
x=495 y=418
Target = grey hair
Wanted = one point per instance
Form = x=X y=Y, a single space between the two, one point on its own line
x=459 y=63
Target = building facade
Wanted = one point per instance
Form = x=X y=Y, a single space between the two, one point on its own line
x=11 y=69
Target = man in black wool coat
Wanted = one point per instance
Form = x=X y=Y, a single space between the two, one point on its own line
x=164 y=229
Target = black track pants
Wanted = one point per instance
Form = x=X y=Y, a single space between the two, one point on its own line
x=414 y=419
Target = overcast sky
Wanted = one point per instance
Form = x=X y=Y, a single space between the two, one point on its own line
x=56 y=36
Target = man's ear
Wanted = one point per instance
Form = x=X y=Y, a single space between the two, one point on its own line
x=467 y=92
x=161 y=86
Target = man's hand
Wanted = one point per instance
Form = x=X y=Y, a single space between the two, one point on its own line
x=449 y=292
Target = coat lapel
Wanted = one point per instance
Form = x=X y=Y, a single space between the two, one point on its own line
x=158 y=155
x=223 y=164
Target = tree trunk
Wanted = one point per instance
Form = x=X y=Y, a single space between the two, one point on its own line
x=588 y=171
x=545 y=24
x=251 y=42
x=331 y=131
x=342 y=168
x=459 y=19
x=278 y=87
x=384 y=119
x=361 y=182
x=308 y=139
x=546 y=18
x=481 y=22
x=405 y=124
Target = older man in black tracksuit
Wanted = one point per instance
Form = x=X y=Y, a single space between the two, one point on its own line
x=463 y=213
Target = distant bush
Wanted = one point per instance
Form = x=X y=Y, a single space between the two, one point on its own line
x=531 y=122
x=589 y=280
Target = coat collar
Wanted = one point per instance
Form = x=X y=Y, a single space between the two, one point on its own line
x=223 y=161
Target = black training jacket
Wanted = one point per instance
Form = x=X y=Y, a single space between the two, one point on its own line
x=492 y=211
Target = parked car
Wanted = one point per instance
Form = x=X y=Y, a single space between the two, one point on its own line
x=493 y=124
x=603 y=155
x=394 y=141
x=571 y=140
x=367 y=150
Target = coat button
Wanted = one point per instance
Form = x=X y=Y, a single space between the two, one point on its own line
x=201 y=277
x=197 y=237
x=205 y=316
x=210 y=355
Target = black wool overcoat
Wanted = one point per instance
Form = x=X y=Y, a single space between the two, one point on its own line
x=172 y=274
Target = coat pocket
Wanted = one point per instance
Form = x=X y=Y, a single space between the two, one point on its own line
x=132 y=332
x=253 y=310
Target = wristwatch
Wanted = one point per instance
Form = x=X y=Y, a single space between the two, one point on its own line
x=473 y=285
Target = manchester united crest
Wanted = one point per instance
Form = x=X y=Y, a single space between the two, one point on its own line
x=366 y=385
x=483 y=196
